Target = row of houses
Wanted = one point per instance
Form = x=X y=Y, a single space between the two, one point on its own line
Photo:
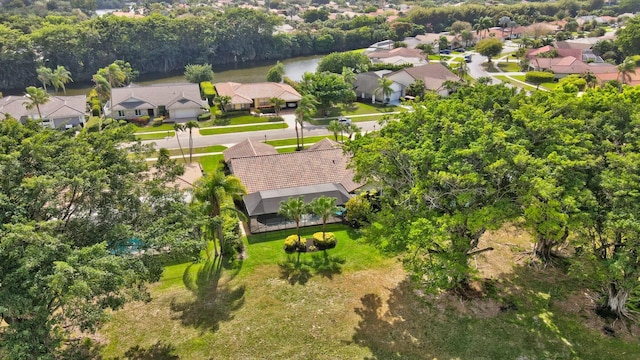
x=173 y=101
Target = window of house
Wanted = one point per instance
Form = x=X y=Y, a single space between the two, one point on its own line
x=120 y=113
x=138 y=112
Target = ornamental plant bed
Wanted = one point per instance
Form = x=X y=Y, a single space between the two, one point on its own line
x=312 y=244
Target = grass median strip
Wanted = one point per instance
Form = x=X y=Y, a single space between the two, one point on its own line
x=229 y=130
x=307 y=140
x=155 y=136
x=198 y=150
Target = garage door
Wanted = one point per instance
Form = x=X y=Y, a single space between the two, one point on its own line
x=184 y=113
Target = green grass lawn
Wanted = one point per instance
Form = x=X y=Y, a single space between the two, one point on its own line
x=509 y=67
x=155 y=136
x=354 y=303
x=150 y=128
x=228 y=130
x=210 y=162
x=505 y=79
x=197 y=150
x=548 y=86
x=356 y=109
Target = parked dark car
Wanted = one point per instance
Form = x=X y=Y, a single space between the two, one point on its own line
x=445 y=51
x=467 y=58
x=459 y=50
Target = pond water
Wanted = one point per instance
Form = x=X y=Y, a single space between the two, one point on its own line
x=242 y=73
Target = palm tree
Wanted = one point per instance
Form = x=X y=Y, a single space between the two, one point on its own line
x=114 y=74
x=190 y=125
x=590 y=78
x=351 y=129
x=61 y=76
x=625 y=69
x=349 y=75
x=293 y=208
x=37 y=97
x=482 y=24
x=335 y=127
x=384 y=86
x=277 y=103
x=462 y=70
x=223 y=101
x=45 y=75
x=179 y=128
x=324 y=207
x=213 y=190
x=306 y=107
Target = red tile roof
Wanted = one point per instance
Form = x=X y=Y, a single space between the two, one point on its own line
x=246 y=93
x=248 y=148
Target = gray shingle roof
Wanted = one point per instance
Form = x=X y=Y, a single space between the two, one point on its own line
x=58 y=107
x=172 y=96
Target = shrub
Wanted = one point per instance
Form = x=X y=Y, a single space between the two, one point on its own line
x=205 y=116
x=157 y=121
x=275 y=118
x=329 y=242
x=539 y=77
x=292 y=245
x=358 y=210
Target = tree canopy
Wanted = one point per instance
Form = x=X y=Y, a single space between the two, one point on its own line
x=70 y=206
x=562 y=163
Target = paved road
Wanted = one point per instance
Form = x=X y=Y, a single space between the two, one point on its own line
x=234 y=138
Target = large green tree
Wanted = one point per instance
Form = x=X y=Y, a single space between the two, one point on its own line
x=334 y=62
x=327 y=88
x=197 y=73
x=68 y=211
x=490 y=47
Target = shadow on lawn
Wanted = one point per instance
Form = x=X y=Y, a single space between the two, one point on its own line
x=157 y=351
x=299 y=268
x=528 y=313
x=215 y=299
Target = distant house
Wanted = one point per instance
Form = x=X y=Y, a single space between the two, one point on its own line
x=175 y=101
x=563 y=66
x=433 y=75
x=257 y=95
x=367 y=86
x=397 y=56
x=58 y=112
x=272 y=177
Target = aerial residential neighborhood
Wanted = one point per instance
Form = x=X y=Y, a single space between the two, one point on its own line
x=319 y=180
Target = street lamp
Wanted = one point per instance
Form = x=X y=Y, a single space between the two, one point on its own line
x=265 y=138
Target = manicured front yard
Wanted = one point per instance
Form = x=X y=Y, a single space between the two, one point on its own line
x=509 y=67
x=235 y=129
x=151 y=128
x=197 y=150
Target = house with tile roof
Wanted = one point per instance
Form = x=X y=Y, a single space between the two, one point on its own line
x=257 y=95
x=58 y=112
x=563 y=66
x=272 y=177
x=433 y=75
x=175 y=101
x=397 y=56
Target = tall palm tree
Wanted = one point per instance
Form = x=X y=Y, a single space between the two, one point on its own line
x=324 y=207
x=306 y=107
x=37 y=97
x=213 y=190
x=190 y=125
x=114 y=74
x=462 y=70
x=384 y=86
x=335 y=127
x=178 y=128
x=61 y=76
x=293 y=208
x=625 y=69
x=45 y=75
x=277 y=103
x=223 y=102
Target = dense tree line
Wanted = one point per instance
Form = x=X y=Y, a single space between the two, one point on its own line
x=561 y=165
x=158 y=43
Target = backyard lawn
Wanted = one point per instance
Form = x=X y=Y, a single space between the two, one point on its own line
x=355 y=303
